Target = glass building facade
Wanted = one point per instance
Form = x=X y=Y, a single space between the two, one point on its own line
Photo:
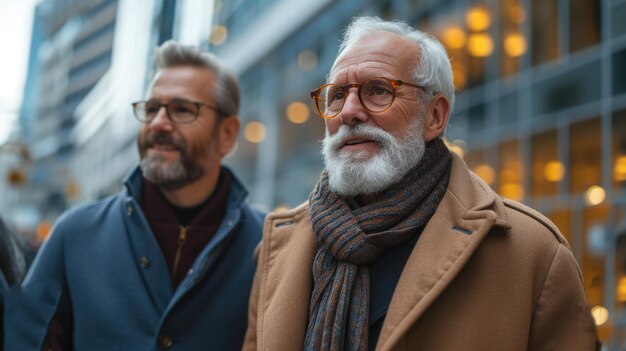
x=540 y=112
x=72 y=45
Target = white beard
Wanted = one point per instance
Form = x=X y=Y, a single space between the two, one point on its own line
x=354 y=173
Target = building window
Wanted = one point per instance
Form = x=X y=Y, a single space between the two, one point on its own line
x=584 y=19
x=619 y=71
x=593 y=262
x=477 y=162
x=618 y=27
x=511 y=171
x=547 y=169
x=545 y=34
x=619 y=150
x=562 y=220
x=585 y=155
x=513 y=43
x=480 y=45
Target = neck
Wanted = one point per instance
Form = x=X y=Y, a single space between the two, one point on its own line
x=194 y=193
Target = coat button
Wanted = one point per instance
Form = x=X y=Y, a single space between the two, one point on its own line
x=165 y=342
x=144 y=262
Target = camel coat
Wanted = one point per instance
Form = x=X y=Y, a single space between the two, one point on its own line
x=486 y=274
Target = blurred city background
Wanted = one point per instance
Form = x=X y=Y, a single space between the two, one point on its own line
x=540 y=116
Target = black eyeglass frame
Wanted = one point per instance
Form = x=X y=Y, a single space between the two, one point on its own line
x=395 y=83
x=199 y=105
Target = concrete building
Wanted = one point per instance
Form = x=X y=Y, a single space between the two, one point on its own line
x=72 y=43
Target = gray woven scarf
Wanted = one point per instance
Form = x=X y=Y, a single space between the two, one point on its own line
x=349 y=240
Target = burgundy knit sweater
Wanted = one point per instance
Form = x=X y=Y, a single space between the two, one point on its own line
x=182 y=239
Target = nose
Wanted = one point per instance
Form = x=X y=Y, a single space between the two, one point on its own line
x=161 y=120
x=353 y=111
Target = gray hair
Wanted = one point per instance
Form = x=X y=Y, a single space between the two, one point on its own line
x=433 y=71
x=225 y=87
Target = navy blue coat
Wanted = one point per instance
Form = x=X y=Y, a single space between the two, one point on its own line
x=104 y=265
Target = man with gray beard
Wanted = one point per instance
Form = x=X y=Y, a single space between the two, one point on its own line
x=400 y=246
x=168 y=262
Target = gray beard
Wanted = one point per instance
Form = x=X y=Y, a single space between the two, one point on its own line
x=171 y=177
x=351 y=174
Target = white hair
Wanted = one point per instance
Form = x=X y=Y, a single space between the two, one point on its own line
x=433 y=71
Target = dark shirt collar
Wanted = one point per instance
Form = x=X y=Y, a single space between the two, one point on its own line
x=158 y=209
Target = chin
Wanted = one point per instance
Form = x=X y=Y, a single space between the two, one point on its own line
x=355 y=156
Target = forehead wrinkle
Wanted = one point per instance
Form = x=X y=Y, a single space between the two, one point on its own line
x=386 y=54
x=348 y=69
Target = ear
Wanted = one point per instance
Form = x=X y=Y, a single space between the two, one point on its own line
x=437 y=117
x=229 y=130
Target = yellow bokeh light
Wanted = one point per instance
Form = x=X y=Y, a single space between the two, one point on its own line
x=621 y=290
x=480 y=45
x=595 y=195
x=508 y=176
x=512 y=191
x=486 y=173
x=307 y=60
x=478 y=18
x=454 y=37
x=515 y=44
x=218 y=35
x=554 y=171
x=298 y=112
x=619 y=169
x=255 y=132
x=600 y=315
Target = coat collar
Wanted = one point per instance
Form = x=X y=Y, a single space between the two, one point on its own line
x=464 y=217
x=236 y=196
x=157 y=279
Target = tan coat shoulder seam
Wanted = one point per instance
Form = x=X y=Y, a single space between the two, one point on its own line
x=538 y=217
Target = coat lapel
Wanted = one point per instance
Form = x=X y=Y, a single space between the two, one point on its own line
x=463 y=218
x=285 y=287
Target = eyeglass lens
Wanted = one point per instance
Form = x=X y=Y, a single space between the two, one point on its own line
x=375 y=94
x=179 y=111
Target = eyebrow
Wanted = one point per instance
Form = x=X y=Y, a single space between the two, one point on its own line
x=176 y=99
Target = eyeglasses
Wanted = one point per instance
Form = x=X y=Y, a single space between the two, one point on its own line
x=179 y=111
x=376 y=95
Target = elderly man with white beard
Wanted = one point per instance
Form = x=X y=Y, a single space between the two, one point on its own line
x=400 y=246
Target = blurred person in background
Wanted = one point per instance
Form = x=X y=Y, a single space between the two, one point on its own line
x=168 y=262
x=12 y=261
x=12 y=266
x=400 y=246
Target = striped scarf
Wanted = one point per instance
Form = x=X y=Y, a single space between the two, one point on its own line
x=350 y=239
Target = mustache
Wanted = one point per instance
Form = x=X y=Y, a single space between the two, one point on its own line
x=157 y=138
x=345 y=132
